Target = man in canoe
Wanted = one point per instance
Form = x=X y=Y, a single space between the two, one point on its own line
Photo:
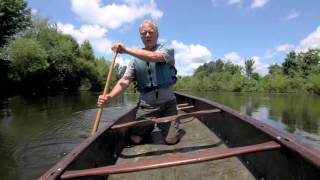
x=153 y=70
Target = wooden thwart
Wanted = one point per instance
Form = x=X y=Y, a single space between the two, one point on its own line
x=173 y=160
x=183 y=104
x=185 y=107
x=166 y=119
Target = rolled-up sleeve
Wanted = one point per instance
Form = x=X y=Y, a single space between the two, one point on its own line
x=167 y=52
x=130 y=72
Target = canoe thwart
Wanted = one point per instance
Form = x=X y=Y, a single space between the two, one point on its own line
x=166 y=118
x=172 y=160
x=184 y=106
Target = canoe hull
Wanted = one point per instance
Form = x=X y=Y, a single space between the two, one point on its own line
x=295 y=160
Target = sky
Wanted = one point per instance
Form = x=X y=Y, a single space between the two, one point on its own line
x=200 y=31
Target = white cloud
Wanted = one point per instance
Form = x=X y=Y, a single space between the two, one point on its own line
x=190 y=57
x=283 y=48
x=258 y=3
x=292 y=15
x=94 y=33
x=234 y=58
x=122 y=61
x=233 y=2
x=310 y=42
x=34 y=11
x=259 y=66
x=228 y=2
x=114 y=15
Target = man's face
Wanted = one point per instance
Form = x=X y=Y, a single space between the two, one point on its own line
x=149 y=35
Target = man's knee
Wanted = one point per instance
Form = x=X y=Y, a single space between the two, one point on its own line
x=136 y=139
x=171 y=141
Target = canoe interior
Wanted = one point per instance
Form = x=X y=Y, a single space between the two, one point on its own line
x=195 y=136
x=219 y=130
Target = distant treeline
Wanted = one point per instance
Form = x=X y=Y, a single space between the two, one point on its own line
x=300 y=72
x=35 y=58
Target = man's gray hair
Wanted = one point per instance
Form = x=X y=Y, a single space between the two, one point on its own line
x=152 y=22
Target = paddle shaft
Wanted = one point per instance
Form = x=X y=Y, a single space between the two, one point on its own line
x=106 y=88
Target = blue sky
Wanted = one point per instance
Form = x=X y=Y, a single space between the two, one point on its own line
x=200 y=31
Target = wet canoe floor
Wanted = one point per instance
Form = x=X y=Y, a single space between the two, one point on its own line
x=195 y=137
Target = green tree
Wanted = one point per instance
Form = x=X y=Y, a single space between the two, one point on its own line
x=86 y=51
x=232 y=68
x=249 y=67
x=219 y=66
x=256 y=76
x=310 y=62
x=101 y=68
x=28 y=66
x=291 y=66
x=314 y=79
x=28 y=57
x=275 y=69
x=15 y=17
x=64 y=68
x=207 y=68
x=64 y=71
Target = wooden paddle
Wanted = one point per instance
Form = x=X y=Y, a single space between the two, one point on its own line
x=105 y=91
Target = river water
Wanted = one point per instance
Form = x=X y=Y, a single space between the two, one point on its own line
x=36 y=132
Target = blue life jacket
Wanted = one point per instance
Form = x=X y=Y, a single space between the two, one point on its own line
x=165 y=74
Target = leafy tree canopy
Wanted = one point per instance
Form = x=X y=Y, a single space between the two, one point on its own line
x=15 y=17
x=28 y=57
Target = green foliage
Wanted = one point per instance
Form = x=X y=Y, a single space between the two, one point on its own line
x=45 y=57
x=310 y=62
x=232 y=68
x=275 y=69
x=248 y=67
x=275 y=83
x=28 y=58
x=63 y=63
x=211 y=67
x=314 y=80
x=15 y=16
x=256 y=76
x=291 y=65
x=86 y=51
x=101 y=68
x=299 y=73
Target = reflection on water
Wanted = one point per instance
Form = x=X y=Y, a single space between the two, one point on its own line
x=36 y=133
x=298 y=114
